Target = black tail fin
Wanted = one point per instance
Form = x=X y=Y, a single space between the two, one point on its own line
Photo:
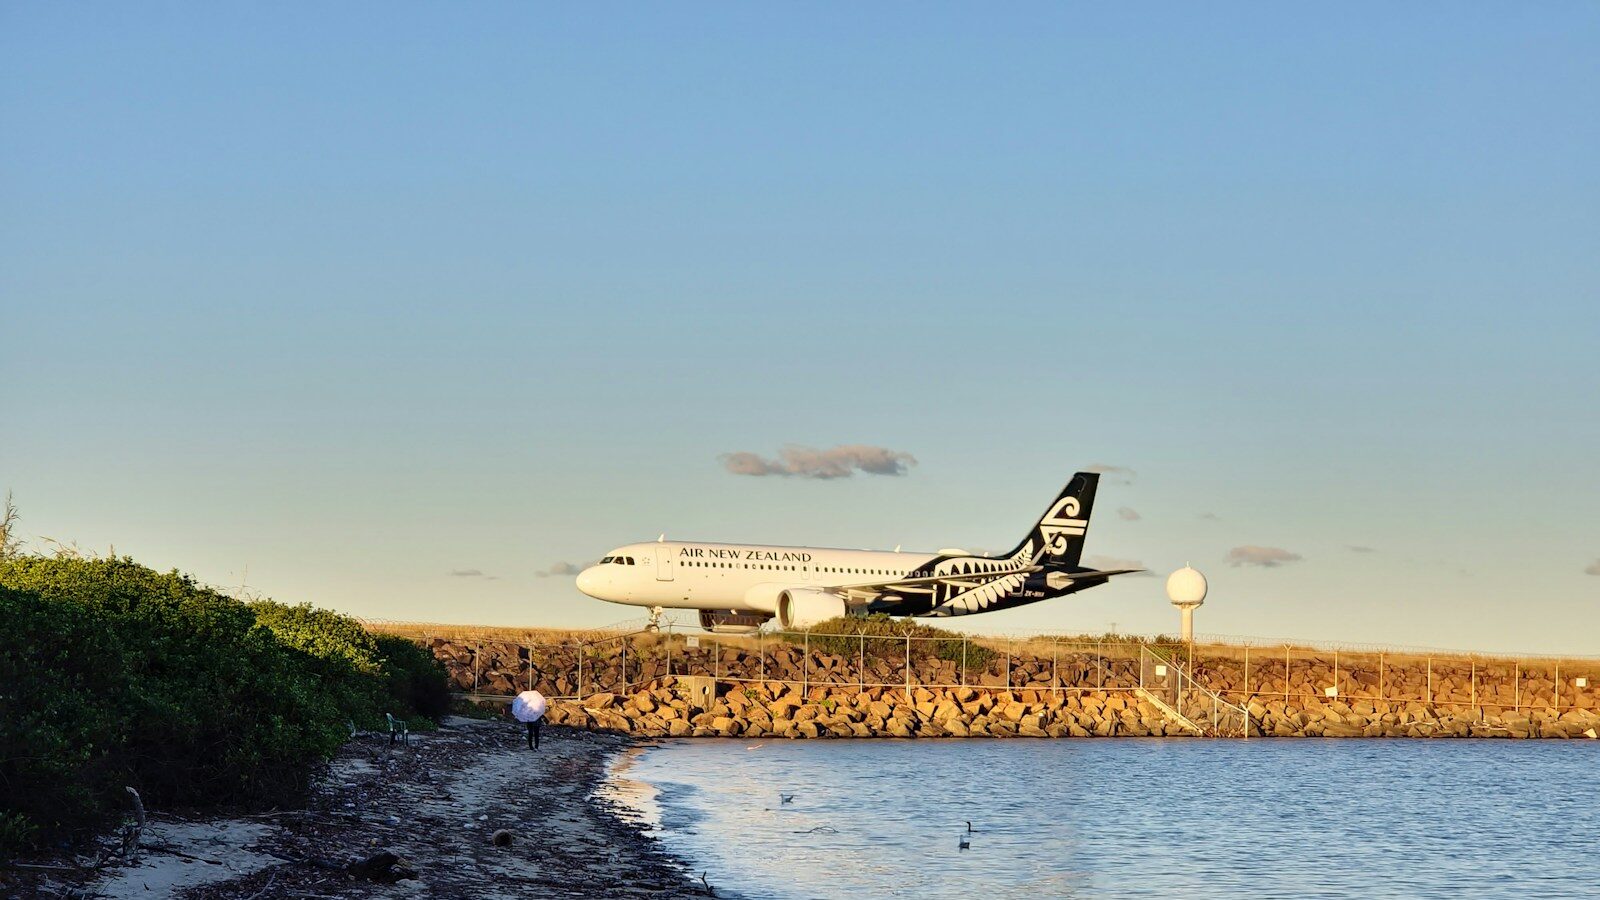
x=1058 y=538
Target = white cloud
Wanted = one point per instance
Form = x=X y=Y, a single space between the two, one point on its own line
x=1266 y=557
x=1129 y=514
x=561 y=569
x=471 y=573
x=1115 y=474
x=807 y=462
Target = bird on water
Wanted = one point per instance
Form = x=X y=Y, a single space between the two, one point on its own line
x=786 y=798
x=965 y=843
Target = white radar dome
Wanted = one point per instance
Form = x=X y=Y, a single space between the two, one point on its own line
x=1186 y=587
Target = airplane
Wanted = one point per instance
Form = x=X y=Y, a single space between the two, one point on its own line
x=738 y=588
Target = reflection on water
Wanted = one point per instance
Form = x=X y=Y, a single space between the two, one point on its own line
x=1134 y=817
x=633 y=799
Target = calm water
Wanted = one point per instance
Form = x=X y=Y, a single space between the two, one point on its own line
x=1106 y=817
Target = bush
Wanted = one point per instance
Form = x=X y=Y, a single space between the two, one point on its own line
x=341 y=652
x=321 y=633
x=416 y=679
x=368 y=675
x=112 y=674
x=838 y=636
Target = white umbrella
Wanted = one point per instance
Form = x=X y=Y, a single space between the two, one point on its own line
x=529 y=706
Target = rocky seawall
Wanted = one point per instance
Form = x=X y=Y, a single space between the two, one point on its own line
x=660 y=685
x=778 y=710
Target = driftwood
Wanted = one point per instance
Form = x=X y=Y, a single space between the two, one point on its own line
x=271 y=876
x=132 y=833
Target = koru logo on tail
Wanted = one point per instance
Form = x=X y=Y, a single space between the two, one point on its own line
x=1061 y=525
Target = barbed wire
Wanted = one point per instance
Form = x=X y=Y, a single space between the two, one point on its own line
x=630 y=627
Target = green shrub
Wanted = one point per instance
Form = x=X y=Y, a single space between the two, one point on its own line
x=341 y=652
x=838 y=636
x=416 y=680
x=324 y=634
x=367 y=674
x=112 y=674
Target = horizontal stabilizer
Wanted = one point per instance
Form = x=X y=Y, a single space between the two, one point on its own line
x=1101 y=573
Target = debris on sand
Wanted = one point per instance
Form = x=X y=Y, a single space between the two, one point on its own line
x=382 y=816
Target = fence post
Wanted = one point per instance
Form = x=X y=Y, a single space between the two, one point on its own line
x=1516 y=685
x=579 y=650
x=625 y=681
x=805 y=667
x=908 y=666
x=1557 y=688
x=1100 y=670
x=1009 y=645
x=963 y=678
x=475 y=651
x=1430 y=681
x=861 y=662
x=761 y=648
x=1380 y=675
x=1247 y=694
x=1336 y=672
x=1474 y=693
x=716 y=666
x=1285 y=674
x=1055 y=677
x=530 y=667
x=669 y=649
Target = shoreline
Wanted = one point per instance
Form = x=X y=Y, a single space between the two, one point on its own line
x=436 y=804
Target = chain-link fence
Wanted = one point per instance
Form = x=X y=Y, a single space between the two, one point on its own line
x=1218 y=676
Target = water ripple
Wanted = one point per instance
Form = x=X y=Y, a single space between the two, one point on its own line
x=1132 y=818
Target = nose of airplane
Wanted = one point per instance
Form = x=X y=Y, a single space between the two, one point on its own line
x=589 y=581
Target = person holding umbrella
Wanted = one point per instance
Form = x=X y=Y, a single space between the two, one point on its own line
x=528 y=708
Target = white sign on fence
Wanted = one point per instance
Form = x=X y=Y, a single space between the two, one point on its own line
x=691 y=642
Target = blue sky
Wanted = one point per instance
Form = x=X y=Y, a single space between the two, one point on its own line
x=341 y=300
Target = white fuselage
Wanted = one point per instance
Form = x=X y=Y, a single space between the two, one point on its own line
x=692 y=575
x=743 y=586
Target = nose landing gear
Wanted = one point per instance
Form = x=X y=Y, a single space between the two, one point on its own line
x=655 y=619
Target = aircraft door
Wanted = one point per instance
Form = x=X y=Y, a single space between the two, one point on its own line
x=663 y=563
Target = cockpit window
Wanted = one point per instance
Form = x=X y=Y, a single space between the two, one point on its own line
x=629 y=559
x=607 y=560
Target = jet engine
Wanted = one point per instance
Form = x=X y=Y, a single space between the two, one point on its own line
x=803 y=608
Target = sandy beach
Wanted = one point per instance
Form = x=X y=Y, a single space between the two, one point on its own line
x=436 y=804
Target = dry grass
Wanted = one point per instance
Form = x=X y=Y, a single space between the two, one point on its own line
x=490 y=633
x=1112 y=646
